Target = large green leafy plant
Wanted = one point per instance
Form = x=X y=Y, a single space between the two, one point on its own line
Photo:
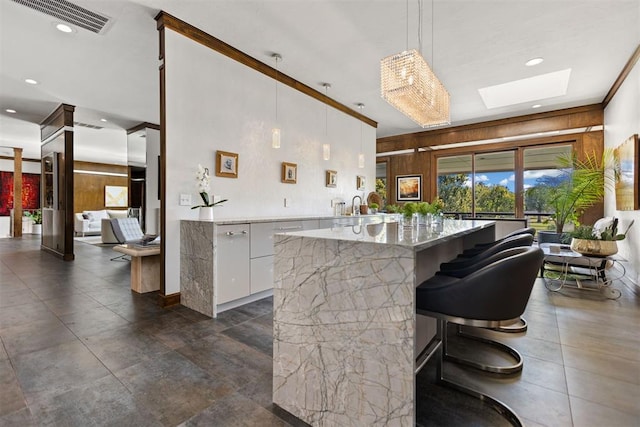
x=582 y=187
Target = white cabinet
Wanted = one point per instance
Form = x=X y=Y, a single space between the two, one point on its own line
x=261 y=274
x=232 y=262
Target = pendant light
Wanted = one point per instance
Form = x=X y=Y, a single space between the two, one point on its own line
x=361 y=154
x=275 y=132
x=326 y=147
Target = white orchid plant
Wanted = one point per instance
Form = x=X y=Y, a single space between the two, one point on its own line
x=203 y=181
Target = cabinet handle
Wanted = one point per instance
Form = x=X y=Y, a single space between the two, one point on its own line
x=295 y=227
x=233 y=233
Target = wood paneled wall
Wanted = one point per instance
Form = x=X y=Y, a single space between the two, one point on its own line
x=89 y=189
x=424 y=162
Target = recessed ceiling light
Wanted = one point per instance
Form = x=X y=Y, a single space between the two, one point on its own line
x=536 y=106
x=10 y=111
x=103 y=120
x=64 y=28
x=31 y=81
x=534 y=61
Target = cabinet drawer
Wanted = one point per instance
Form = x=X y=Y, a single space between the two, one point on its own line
x=261 y=274
x=232 y=262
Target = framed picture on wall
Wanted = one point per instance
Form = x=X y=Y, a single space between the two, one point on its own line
x=115 y=196
x=226 y=164
x=627 y=164
x=408 y=188
x=360 y=182
x=289 y=173
x=331 y=178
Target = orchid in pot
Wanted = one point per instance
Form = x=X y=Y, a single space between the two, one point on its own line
x=203 y=181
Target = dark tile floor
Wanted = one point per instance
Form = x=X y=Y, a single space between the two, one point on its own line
x=79 y=348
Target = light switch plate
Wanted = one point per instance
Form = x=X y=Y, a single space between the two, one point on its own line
x=185 y=199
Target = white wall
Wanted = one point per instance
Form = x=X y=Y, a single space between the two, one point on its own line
x=6 y=165
x=622 y=119
x=215 y=103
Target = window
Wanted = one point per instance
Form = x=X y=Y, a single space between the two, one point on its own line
x=494 y=184
x=454 y=184
x=540 y=174
x=486 y=184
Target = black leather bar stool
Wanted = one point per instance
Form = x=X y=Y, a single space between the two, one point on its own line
x=494 y=295
x=508 y=243
x=480 y=247
x=462 y=266
x=461 y=273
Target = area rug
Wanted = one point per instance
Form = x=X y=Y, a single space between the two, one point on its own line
x=92 y=240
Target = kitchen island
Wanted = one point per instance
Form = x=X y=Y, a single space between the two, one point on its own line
x=345 y=330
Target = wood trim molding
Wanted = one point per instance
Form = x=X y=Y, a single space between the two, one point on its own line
x=570 y=118
x=62 y=116
x=141 y=126
x=165 y=20
x=169 y=300
x=622 y=77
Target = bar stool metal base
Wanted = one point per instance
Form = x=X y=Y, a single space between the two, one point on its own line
x=437 y=345
x=502 y=370
x=518 y=327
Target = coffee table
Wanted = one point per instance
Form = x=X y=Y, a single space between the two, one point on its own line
x=564 y=267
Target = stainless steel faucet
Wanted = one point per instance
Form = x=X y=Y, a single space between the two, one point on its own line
x=355 y=211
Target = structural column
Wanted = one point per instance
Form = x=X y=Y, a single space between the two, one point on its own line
x=17 y=192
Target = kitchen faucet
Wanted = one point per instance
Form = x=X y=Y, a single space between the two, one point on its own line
x=355 y=211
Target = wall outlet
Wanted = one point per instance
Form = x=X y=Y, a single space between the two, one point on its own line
x=287 y=202
x=185 y=200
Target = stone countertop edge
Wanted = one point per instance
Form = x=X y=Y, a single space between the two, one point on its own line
x=231 y=221
x=466 y=227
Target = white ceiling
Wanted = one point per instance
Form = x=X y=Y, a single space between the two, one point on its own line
x=477 y=43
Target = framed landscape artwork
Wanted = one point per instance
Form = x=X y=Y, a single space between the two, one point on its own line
x=289 y=173
x=226 y=164
x=409 y=188
x=627 y=165
x=360 y=182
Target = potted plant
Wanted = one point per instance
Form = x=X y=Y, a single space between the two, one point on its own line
x=581 y=186
x=36 y=217
x=595 y=241
x=202 y=180
x=373 y=207
x=392 y=209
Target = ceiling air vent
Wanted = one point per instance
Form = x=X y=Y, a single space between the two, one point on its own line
x=69 y=12
x=87 y=125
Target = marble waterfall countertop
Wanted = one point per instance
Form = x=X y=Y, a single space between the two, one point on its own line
x=245 y=220
x=386 y=230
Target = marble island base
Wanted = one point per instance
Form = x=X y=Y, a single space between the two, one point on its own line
x=345 y=327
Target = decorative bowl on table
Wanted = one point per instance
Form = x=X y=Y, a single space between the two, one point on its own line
x=598 y=248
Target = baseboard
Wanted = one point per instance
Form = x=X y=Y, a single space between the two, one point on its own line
x=169 y=300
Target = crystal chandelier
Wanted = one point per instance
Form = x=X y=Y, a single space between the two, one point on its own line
x=409 y=85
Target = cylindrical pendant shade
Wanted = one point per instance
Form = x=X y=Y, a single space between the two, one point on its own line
x=275 y=138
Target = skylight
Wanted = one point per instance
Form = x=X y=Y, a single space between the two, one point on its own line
x=530 y=89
